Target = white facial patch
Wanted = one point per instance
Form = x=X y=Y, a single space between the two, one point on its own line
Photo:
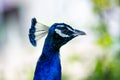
x=60 y=33
x=60 y=26
x=69 y=29
x=64 y=26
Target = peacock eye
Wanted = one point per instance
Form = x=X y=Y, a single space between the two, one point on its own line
x=64 y=30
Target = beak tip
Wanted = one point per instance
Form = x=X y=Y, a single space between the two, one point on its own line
x=84 y=33
x=78 y=32
x=81 y=33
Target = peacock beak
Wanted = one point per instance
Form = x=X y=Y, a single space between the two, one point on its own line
x=78 y=32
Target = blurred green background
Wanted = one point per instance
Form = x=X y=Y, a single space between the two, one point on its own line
x=95 y=56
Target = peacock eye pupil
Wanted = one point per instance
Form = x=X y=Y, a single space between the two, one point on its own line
x=64 y=31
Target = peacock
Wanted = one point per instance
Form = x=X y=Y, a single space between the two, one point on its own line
x=48 y=65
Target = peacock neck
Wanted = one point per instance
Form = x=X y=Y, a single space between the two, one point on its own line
x=48 y=66
x=49 y=49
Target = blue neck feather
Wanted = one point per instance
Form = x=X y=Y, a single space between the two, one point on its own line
x=48 y=66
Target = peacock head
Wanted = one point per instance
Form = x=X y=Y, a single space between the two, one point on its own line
x=58 y=34
x=61 y=33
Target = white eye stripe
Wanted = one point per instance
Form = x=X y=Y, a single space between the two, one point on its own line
x=69 y=29
x=60 y=33
x=60 y=26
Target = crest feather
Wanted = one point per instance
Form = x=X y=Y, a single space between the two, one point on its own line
x=37 y=31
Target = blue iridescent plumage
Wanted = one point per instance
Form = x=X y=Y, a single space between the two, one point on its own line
x=32 y=32
x=49 y=66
